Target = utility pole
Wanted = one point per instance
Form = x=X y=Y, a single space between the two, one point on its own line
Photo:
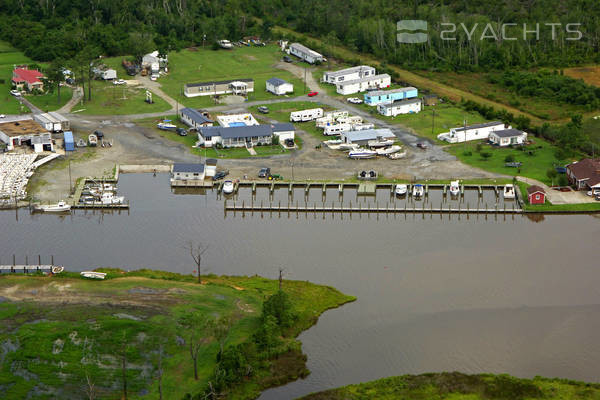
x=304 y=80
x=465 y=130
x=432 y=121
x=70 y=181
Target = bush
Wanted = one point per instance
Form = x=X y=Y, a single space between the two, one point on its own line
x=479 y=147
x=485 y=155
x=467 y=153
x=509 y=158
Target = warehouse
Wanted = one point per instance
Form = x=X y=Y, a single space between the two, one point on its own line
x=348 y=74
x=365 y=136
x=377 y=97
x=25 y=133
x=306 y=54
x=408 y=106
x=363 y=84
x=214 y=88
x=279 y=86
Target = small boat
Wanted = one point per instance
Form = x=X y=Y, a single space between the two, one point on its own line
x=418 y=190
x=110 y=198
x=57 y=269
x=93 y=140
x=380 y=143
x=228 y=187
x=93 y=274
x=396 y=156
x=61 y=206
x=454 y=188
x=401 y=190
x=333 y=142
x=347 y=146
x=388 y=150
x=166 y=125
x=509 y=191
x=361 y=154
x=226 y=44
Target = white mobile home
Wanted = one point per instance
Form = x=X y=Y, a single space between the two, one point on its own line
x=400 y=107
x=306 y=115
x=353 y=120
x=214 y=88
x=336 y=129
x=472 y=132
x=279 y=86
x=348 y=74
x=235 y=136
x=363 y=84
x=306 y=54
x=507 y=137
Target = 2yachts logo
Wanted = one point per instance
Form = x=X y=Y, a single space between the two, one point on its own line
x=412 y=25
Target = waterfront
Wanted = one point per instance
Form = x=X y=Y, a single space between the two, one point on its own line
x=483 y=294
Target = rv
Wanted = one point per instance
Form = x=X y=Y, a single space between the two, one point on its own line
x=336 y=129
x=306 y=115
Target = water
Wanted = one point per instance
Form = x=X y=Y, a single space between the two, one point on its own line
x=435 y=293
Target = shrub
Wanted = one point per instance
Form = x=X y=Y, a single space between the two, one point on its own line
x=479 y=147
x=467 y=153
x=485 y=155
x=509 y=158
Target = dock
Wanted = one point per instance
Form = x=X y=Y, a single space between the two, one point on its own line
x=192 y=183
x=26 y=268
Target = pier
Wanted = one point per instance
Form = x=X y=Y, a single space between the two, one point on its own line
x=26 y=269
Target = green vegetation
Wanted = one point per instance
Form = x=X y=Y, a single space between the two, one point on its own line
x=112 y=99
x=9 y=57
x=549 y=207
x=67 y=330
x=49 y=101
x=458 y=386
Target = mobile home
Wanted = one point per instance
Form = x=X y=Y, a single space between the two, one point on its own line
x=336 y=129
x=363 y=84
x=377 y=97
x=472 y=132
x=408 y=106
x=215 y=88
x=306 y=115
x=507 y=137
x=348 y=74
x=306 y=54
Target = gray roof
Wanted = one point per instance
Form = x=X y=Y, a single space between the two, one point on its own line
x=188 y=168
x=368 y=134
x=477 y=126
x=210 y=161
x=195 y=115
x=383 y=92
x=347 y=71
x=504 y=133
x=283 y=127
x=276 y=82
x=234 y=132
x=365 y=79
x=210 y=83
x=400 y=102
x=306 y=50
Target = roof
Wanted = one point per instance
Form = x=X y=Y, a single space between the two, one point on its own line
x=305 y=49
x=587 y=169
x=195 y=115
x=535 y=188
x=27 y=75
x=384 y=92
x=21 y=128
x=211 y=161
x=365 y=79
x=234 y=132
x=400 y=103
x=347 y=71
x=218 y=82
x=188 y=168
x=505 y=133
x=68 y=135
x=276 y=82
x=368 y=134
x=477 y=126
x=283 y=127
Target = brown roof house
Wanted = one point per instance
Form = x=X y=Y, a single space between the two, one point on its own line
x=585 y=174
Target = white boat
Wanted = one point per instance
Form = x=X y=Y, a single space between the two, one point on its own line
x=93 y=140
x=228 y=187
x=380 y=143
x=348 y=146
x=332 y=142
x=226 y=44
x=509 y=191
x=401 y=190
x=388 y=150
x=362 y=153
x=418 y=190
x=61 y=206
x=454 y=188
x=110 y=198
x=93 y=275
x=166 y=125
x=57 y=269
x=81 y=143
x=396 y=156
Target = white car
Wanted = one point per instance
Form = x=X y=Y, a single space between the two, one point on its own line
x=2 y=116
x=354 y=100
x=15 y=93
x=120 y=82
x=154 y=77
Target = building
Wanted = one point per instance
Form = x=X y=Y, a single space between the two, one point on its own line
x=210 y=167
x=26 y=132
x=52 y=121
x=65 y=123
x=235 y=136
x=536 y=195
x=194 y=118
x=27 y=79
x=214 y=88
x=108 y=74
x=69 y=141
x=585 y=175
x=430 y=100
x=363 y=84
x=284 y=131
x=154 y=58
x=363 y=137
x=186 y=172
x=279 y=86
x=507 y=137
x=306 y=54
x=348 y=74
x=400 y=107
x=377 y=97
x=472 y=132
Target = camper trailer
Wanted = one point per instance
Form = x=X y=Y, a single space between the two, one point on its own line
x=306 y=115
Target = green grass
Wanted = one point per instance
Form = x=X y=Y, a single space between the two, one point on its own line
x=109 y=99
x=80 y=326
x=188 y=66
x=549 y=207
x=458 y=386
x=8 y=58
x=49 y=101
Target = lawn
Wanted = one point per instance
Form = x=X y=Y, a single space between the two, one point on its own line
x=109 y=99
x=79 y=328
x=549 y=207
x=200 y=65
x=591 y=127
x=49 y=101
x=535 y=165
x=9 y=57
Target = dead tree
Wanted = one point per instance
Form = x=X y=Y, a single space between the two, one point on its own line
x=196 y=251
x=90 y=387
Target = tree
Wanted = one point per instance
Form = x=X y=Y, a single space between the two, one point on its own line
x=196 y=251
x=197 y=326
x=140 y=44
x=55 y=75
x=279 y=306
x=90 y=387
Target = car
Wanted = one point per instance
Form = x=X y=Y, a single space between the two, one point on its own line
x=354 y=100
x=263 y=110
x=289 y=142
x=264 y=172
x=70 y=81
x=15 y=93
x=99 y=134
x=181 y=132
x=312 y=94
x=2 y=116
x=287 y=59
x=119 y=82
x=220 y=175
x=422 y=145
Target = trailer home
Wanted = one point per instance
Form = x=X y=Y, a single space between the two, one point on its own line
x=377 y=97
x=214 y=88
x=336 y=129
x=363 y=84
x=408 y=106
x=306 y=115
x=306 y=54
x=472 y=132
x=348 y=74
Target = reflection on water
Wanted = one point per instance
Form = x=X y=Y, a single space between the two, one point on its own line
x=435 y=292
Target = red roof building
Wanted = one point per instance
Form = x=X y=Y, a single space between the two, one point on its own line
x=536 y=195
x=29 y=78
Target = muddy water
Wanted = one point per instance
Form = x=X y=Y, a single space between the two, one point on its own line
x=435 y=293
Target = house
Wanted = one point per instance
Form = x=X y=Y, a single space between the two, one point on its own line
x=155 y=58
x=194 y=118
x=52 y=121
x=235 y=136
x=284 y=131
x=507 y=137
x=585 y=174
x=364 y=136
x=186 y=172
x=348 y=74
x=214 y=88
x=28 y=79
x=25 y=132
x=279 y=86
x=407 y=106
x=377 y=97
x=363 y=84
x=472 y=132
x=536 y=195
x=306 y=54
x=210 y=167
x=69 y=141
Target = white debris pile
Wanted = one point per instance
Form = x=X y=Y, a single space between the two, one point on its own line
x=15 y=171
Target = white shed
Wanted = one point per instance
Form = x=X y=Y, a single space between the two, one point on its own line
x=279 y=86
x=108 y=74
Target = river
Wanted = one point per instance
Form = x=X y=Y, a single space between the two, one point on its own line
x=500 y=294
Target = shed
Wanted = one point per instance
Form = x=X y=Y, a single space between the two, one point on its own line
x=279 y=86
x=210 y=166
x=69 y=141
x=284 y=131
x=188 y=171
x=536 y=195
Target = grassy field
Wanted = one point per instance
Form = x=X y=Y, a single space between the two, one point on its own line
x=58 y=331
x=190 y=66
x=109 y=99
x=458 y=386
x=590 y=74
x=49 y=101
x=8 y=58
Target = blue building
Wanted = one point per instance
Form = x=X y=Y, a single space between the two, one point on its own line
x=389 y=96
x=69 y=142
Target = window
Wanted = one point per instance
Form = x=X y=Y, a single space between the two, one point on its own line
x=537 y=196
x=341 y=78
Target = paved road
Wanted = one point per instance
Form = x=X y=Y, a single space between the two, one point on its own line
x=34 y=109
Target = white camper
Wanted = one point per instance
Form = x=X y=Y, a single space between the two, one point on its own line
x=306 y=115
x=336 y=129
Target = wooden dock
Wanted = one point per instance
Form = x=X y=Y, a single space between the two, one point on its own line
x=26 y=268
x=98 y=205
x=192 y=183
